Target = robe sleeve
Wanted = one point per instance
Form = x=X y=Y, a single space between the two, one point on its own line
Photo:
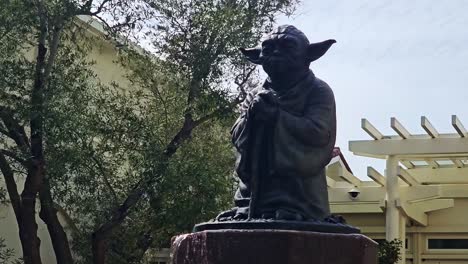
x=239 y=131
x=313 y=127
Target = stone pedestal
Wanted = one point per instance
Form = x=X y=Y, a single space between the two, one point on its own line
x=272 y=247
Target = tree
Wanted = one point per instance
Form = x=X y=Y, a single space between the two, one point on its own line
x=109 y=158
x=199 y=41
x=23 y=88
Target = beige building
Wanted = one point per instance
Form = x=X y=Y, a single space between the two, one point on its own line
x=423 y=197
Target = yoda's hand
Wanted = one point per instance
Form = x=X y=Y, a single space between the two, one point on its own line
x=264 y=107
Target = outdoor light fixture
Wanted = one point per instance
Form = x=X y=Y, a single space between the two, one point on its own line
x=354 y=193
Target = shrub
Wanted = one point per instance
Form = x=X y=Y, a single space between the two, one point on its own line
x=389 y=251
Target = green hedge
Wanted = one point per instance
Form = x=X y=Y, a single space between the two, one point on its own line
x=389 y=251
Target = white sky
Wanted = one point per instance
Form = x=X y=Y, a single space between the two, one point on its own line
x=392 y=58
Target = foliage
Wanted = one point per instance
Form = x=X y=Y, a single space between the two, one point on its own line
x=128 y=167
x=199 y=184
x=103 y=139
x=34 y=37
x=201 y=40
x=3 y=196
x=7 y=255
x=389 y=251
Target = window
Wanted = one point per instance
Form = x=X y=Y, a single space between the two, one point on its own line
x=447 y=243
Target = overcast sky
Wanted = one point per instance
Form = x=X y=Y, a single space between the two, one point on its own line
x=394 y=58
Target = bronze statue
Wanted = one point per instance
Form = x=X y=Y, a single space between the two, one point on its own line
x=286 y=132
x=284 y=137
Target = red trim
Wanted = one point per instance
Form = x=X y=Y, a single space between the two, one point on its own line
x=337 y=152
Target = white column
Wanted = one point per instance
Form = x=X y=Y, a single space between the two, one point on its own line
x=392 y=215
x=402 y=238
x=418 y=248
x=394 y=220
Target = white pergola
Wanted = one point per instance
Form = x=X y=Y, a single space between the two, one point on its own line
x=423 y=172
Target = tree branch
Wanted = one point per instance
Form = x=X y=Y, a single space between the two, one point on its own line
x=112 y=30
x=12 y=189
x=240 y=82
x=100 y=8
x=3 y=130
x=105 y=176
x=85 y=9
x=37 y=96
x=13 y=155
x=14 y=130
x=52 y=53
x=48 y=214
x=68 y=218
x=100 y=235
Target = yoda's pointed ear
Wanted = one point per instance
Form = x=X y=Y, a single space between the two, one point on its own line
x=317 y=50
x=252 y=54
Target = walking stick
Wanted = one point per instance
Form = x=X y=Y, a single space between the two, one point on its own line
x=255 y=169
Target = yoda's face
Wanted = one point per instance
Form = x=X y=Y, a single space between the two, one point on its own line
x=283 y=53
x=286 y=50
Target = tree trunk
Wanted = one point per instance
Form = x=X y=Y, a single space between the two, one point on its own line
x=102 y=234
x=24 y=207
x=58 y=236
x=99 y=247
x=35 y=167
x=28 y=231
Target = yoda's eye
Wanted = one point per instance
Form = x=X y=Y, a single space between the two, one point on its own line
x=266 y=50
x=288 y=45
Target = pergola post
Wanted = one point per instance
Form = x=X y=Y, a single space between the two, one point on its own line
x=394 y=220
x=402 y=223
x=392 y=214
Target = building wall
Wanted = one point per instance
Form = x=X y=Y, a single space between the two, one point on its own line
x=450 y=223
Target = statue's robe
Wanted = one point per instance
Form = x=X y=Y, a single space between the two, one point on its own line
x=287 y=155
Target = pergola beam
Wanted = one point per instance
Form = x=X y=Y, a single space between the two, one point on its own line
x=417 y=211
x=376 y=176
x=355 y=207
x=432 y=163
x=349 y=177
x=419 y=193
x=406 y=177
x=441 y=146
x=434 y=205
x=330 y=182
x=428 y=127
x=370 y=129
x=454 y=191
x=440 y=172
x=407 y=164
x=399 y=128
x=413 y=212
x=440 y=175
x=458 y=163
x=458 y=126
